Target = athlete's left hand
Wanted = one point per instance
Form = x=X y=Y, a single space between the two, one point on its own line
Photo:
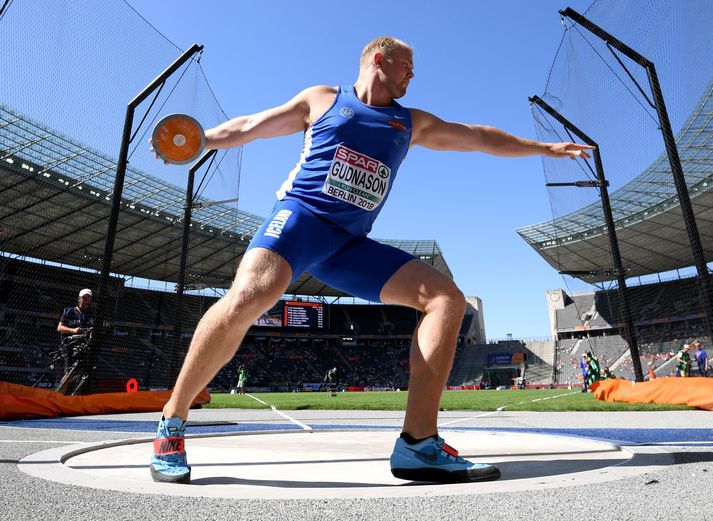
x=571 y=150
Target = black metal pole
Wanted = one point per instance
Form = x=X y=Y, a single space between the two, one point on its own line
x=103 y=304
x=181 y=284
x=628 y=330
x=601 y=33
x=674 y=160
x=3 y=7
x=684 y=199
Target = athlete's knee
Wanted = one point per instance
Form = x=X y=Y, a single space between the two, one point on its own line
x=246 y=302
x=447 y=298
x=262 y=278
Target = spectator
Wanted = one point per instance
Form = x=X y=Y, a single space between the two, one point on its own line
x=652 y=374
x=701 y=358
x=242 y=378
x=683 y=361
x=584 y=366
x=332 y=380
x=594 y=370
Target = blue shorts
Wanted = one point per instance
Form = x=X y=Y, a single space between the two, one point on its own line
x=354 y=264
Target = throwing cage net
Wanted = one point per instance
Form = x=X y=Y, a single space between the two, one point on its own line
x=653 y=297
x=69 y=71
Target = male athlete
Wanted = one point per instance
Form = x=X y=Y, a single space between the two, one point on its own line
x=355 y=138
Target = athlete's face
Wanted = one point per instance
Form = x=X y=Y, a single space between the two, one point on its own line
x=397 y=71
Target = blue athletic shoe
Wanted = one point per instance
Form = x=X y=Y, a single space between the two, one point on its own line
x=433 y=460
x=168 y=463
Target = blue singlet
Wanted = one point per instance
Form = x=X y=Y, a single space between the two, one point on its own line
x=349 y=161
x=331 y=198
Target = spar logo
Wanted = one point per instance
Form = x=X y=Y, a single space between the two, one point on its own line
x=357 y=179
x=360 y=161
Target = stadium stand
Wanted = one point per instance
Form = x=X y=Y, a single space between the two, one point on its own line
x=142 y=337
x=373 y=355
x=501 y=361
x=540 y=360
x=662 y=318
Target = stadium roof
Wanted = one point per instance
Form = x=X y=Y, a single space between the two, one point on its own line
x=650 y=229
x=55 y=195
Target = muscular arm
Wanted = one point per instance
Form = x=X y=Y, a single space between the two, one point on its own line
x=293 y=116
x=432 y=132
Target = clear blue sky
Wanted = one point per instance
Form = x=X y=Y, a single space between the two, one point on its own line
x=475 y=62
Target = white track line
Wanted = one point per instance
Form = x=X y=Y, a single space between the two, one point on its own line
x=499 y=409
x=41 y=441
x=704 y=443
x=296 y=422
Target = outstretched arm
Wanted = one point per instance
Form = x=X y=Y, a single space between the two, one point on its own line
x=432 y=132
x=293 y=116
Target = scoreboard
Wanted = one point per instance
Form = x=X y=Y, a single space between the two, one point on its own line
x=307 y=315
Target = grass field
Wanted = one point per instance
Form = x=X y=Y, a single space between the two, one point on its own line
x=512 y=400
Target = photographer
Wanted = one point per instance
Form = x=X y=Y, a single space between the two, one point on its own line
x=74 y=320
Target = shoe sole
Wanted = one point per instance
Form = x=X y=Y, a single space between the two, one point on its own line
x=159 y=477
x=444 y=476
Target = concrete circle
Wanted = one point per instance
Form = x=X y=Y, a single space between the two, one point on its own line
x=339 y=464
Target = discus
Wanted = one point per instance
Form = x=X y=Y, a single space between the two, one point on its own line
x=178 y=139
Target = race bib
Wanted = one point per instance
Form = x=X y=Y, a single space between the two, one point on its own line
x=357 y=179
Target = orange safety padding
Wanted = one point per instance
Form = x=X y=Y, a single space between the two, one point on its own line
x=19 y=402
x=694 y=392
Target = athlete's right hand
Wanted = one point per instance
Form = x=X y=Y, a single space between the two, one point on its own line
x=154 y=151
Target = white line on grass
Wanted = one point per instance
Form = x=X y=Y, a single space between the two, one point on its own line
x=296 y=422
x=470 y=418
x=537 y=400
x=499 y=409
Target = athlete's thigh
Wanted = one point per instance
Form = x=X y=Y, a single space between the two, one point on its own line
x=262 y=275
x=297 y=236
x=361 y=267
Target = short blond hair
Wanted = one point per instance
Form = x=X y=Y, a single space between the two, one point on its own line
x=386 y=45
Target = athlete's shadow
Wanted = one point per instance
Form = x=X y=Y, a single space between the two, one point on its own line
x=511 y=470
x=228 y=480
x=692 y=457
x=556 y=464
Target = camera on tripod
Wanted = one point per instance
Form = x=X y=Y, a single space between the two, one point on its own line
x=78 y=344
